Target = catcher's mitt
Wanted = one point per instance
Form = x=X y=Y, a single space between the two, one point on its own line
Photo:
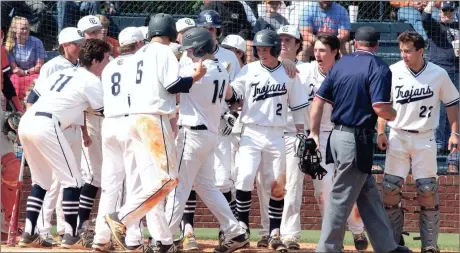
x=309 y=157
x=10 y=128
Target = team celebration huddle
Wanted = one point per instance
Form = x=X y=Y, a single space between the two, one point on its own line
x=178 y=115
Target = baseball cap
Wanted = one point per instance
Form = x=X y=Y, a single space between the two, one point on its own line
x=89 y=24
x=447 y=6
x=235 y=41
x=367 y=33
x=130 y=35
x=184 y=23
x=70 y=34
x=289 y=30
x=145 y=31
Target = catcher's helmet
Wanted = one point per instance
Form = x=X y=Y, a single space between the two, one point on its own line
x=162 y=25
x=200 y=40
x=267 y=38
x=209 y=18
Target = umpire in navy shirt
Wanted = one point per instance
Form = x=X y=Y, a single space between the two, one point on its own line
x=358 y=87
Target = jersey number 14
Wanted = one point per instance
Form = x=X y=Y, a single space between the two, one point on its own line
x=217 y=89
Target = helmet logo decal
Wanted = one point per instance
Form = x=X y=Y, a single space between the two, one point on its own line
x=259 y=38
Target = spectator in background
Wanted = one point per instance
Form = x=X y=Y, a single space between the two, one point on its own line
x=273 y=20
x=323 y=17
x=440 y=35
x=410 y=12
x=25 y=54
x=105 y=22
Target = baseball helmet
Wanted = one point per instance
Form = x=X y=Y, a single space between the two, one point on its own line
x=200 y=39
x=162 y=25
x=209 y=18
x=267 y=38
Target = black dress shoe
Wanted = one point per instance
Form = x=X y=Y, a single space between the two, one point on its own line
x=401 y=249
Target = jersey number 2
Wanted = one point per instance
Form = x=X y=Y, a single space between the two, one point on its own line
x=63 y=80
x=279 y=107
x=216 y=89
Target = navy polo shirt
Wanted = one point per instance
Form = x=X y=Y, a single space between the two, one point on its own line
x=355 y=83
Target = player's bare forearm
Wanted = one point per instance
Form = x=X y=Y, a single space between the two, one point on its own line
x=452 y=115
x=385 y=111
x=315 y=115
x=381 y=123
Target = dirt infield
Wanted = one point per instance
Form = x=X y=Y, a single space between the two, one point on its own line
x=205 y=246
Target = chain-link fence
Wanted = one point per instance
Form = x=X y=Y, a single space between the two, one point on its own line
x=31 y=31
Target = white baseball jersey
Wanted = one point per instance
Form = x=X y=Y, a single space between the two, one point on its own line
x=56 y=64
x=226 y=57
x=117 y=81
x=290 y=127
x=417 y=96
x=155 y=69
x=267 y=92
x=312 y=77
x=67 y=93
x=202 y=105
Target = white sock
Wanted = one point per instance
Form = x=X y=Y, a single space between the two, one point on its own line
x=188 y=229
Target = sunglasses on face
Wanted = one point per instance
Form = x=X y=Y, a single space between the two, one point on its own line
x=449 y=9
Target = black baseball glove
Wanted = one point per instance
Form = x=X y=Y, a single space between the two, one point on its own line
x=309 y=157
x=10 y=127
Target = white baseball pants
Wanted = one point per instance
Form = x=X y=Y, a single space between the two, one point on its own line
x=91 y=159
x=223 y=163
x=196 y=168
x=156 y=166
x=118 y=164
x=416 y=149
x=261 y=145
x=53 y=197
x=323 y=189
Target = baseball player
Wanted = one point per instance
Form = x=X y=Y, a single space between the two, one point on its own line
x=70 y=40
x=153 y=102
x=418 y=88
x=67 y=94
x=199 y=118
x=91 y=158
x=326 y=52
x=267 y=92
x=10 y=164
x=211 y=20
x=183 y=25
x=118 y=158
x=291 y=44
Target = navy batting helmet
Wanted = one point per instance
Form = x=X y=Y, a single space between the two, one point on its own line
x=267 y=38
x=162 y=25
x=200 y=40
x=209 y=18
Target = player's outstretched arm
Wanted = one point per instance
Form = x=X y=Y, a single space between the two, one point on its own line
x=200 y=71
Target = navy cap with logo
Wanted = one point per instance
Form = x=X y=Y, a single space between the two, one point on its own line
x=447 y=6
x=367 y=33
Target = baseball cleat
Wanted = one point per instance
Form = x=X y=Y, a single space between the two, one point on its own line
x=361 y=242
x=430 y=249
x=50 y=239
x=275 y=243
x=36 y=240
x=117 y=228
x=291 y=243
x=233 y=244
x=189 y=242
x=75 y=242
x=160 y=248
x=402 y=249
x=140 y=248
x=263 y=242
x=102 y=247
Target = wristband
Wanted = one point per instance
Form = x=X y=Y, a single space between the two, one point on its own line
x=380 y=134
x=455 y=134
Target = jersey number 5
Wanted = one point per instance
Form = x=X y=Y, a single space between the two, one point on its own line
x=216 y=89
x=63 y=80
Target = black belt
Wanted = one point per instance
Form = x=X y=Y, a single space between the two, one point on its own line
x=199 y=127
x=344 y=128
x=411 y=131
x=46 y=114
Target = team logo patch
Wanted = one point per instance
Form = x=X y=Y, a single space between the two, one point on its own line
x=235 y=15
x=93 y=21
x=268 y=91
x=412 y=95
x=208 y=18
x=120 y=62
x=285 y=29
x=259 y=38
x=189 y=21
x=80 y=33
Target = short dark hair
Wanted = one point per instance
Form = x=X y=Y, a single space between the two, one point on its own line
x=332 y=41
x=93 y=49
x=300 y=41
x=414 y=37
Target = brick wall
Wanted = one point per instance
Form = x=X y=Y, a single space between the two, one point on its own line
x=311 y=218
